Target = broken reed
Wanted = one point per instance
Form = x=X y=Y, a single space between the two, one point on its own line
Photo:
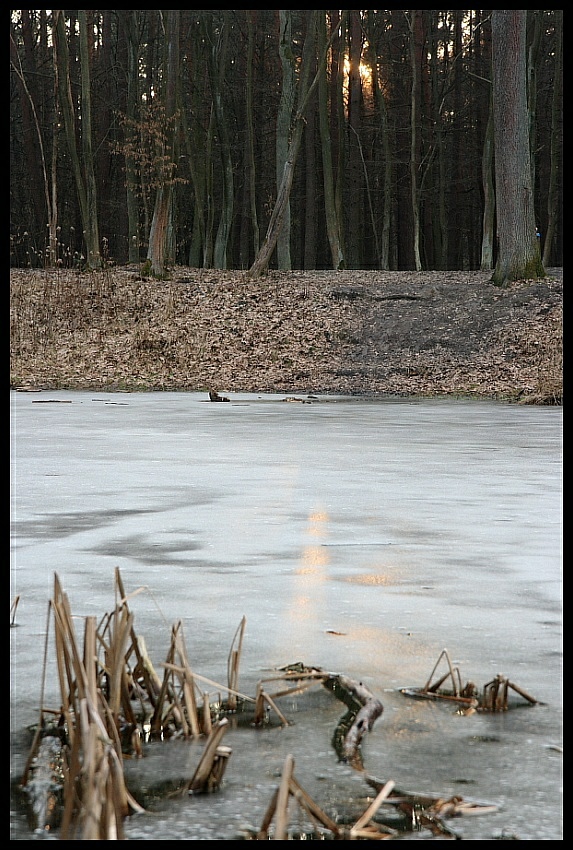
x=95 y=796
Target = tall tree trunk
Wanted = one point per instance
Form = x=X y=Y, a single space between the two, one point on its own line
x=128 y=19
x=457 y=206
x=332 y=221
x=488 y=220
x=67 y=107
x=485 y=106
x=91 y=228
x=338 y=24
x=310 y=188
x=33 y=130
x=354 y=219
x=250 y=123
x=27 y=72
x=284 y=121
x=161 y=224
x=198 y=148
x=533 y=29
x=416 y=44
x=519 y=254
x=439 y=218
x=261 y=262
x=556 y=146
x=399 y=108
x=217 y=64
x=198 y=165
x=112 y=219
x=386 y=155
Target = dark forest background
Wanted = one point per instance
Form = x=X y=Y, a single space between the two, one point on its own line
x=397 y=135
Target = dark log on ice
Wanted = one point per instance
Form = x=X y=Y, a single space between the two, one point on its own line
x=364 y=709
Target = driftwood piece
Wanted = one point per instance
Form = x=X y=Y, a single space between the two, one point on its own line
x=364 y=709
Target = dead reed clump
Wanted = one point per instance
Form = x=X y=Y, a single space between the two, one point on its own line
x=112 y=701
x=494 y=697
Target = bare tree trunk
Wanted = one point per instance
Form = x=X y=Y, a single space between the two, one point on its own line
x=251 y=168
x=456 y=247
x=555 y=157
x=159 y=236
x=67 y=107
x=261 y=263
x=129 y=19
x=332 y=221
x=208 y=246
x=27 y=72
x=533 y=29
x=485 y=107
x=439 y=220
x=310 y=196
x=519 y=255
x=30 y=118
x=386 y=155
x=354 y=219
x=415 y=139
x=284 y=120
x=488 y=221
x=217 y=65
x=91 y=229
x=198 y=148
x=338 y=23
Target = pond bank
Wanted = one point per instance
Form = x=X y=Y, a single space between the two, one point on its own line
x=352 y=333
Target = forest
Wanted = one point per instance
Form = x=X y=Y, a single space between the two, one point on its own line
x=365 y=137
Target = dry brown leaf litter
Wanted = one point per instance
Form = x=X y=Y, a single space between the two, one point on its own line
x=353 y=332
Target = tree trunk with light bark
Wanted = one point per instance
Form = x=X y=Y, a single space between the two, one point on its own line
x=519 y=256
x=160 y=233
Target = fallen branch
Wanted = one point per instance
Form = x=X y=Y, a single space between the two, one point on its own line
x=364 y=709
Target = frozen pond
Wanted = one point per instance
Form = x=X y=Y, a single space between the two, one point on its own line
x=361 y=536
